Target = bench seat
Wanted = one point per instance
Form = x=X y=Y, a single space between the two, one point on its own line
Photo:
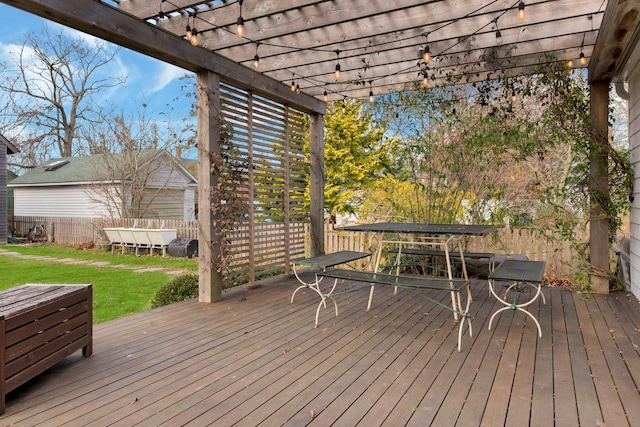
x=401 y=281
x=323 y=262
x=409 y=283
x=455 y=255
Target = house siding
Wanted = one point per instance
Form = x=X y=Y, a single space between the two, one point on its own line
x=3 y=194
x=60 y=201
x=634 y=147
x=167 y=204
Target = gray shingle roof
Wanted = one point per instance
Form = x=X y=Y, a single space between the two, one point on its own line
x=77 y=169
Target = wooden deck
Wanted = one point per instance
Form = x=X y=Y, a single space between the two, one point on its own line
x=256 y=359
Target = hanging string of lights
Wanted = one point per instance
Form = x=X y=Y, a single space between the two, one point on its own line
x=426 y=54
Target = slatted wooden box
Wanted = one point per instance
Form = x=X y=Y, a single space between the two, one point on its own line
x=39 y=326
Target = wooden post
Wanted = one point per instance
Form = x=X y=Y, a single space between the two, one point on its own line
x=316 y=202
x=599 y=184
x=208 y=99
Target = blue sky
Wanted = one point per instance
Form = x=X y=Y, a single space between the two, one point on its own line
x=148 y=80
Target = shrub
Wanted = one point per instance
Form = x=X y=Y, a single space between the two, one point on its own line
x=180 y=288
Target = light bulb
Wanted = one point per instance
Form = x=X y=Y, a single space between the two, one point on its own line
x=293 y=86
x=583 y=59
x=326 y=96
x=256 y=62
x=427 y=54
x=371 y=99
x=570 y=63
x=337 y=74
x=240 y=27
x=521 y=11
x=425 y=81
x=498 y=38
x=188 y=33
x=194 y=37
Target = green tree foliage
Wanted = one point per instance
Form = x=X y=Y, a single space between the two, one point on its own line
x=357 y=155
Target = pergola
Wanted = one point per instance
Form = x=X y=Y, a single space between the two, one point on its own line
x=378 y=46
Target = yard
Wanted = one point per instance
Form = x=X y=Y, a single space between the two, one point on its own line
x=122 y=284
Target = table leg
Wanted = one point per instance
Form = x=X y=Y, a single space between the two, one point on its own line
x=448 y=260
x=465 y=315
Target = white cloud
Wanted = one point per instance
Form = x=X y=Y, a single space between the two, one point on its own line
x=167 y=74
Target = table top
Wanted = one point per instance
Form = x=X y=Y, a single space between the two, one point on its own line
x=329 y=260
x=413 y=228
x=519 y=270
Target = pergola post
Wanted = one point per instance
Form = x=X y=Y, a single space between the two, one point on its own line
x=599 y=185
x=208 y=106
x=316 y=178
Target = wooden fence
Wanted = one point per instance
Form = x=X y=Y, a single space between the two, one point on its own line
x=559 y=256
x=557 y=253
x=83 y=231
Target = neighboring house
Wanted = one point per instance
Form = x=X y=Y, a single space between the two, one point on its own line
x=6 y=148
x=95 y=186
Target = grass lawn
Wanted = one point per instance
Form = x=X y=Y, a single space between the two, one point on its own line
x=117 y=292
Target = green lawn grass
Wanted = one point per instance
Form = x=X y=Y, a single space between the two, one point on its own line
x=117 y=292
x=101 y=255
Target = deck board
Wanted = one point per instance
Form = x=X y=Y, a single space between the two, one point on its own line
x=256 y=359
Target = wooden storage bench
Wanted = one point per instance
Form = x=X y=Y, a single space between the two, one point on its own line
x=39 y=326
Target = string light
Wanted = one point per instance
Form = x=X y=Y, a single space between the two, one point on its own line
x=161 y=13
x=337 y=73
x=371 y=99
x=194 y=36
x=192 y=33
x=521 y=11
x=498 y=33
x=425 y=77
x=256 y=58
x=325 y=96
x=293 y=83
x=583 y=59
x=240 y=24
x=426 y=55
x=570 y=63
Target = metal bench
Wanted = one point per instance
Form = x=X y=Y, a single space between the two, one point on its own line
x=39 y=326
x=490 y=257
x=409 y=283
x=519 y=273
x=323 y=262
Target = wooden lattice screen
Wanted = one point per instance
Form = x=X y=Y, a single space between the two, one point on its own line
x=270 y=136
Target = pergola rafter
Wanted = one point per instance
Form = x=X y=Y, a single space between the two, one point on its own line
x=381 y=40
